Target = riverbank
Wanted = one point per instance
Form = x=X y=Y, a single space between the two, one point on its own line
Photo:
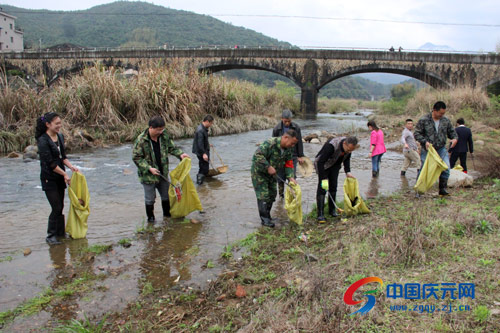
x=89 y=278
x=480 y=112
x=283 y=283
x=104 y=106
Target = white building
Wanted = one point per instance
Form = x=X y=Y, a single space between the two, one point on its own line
x=10 y=38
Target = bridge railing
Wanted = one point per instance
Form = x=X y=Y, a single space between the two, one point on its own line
x=248 y=47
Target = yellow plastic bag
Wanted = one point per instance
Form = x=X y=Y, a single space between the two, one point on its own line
x=353 y=203
x=293 y=203
x=184 y=199
x=79 y=209
x=430 y=172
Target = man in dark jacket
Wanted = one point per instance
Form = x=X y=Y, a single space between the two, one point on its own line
x=201 y=148
x=329 y=160
x=434 y=128
x=298 y=152
x=150 y=155
x=463 y=146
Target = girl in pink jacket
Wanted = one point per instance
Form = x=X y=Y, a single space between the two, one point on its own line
x=377 y=146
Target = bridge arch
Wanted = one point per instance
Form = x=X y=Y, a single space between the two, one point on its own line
x=217 y=67
x=490 y=82
x=416 y=72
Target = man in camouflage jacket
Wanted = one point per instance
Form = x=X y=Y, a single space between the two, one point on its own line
x=433 y=129
x=150 y=155
x=272 y=154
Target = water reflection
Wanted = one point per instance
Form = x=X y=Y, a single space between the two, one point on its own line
x=117 y=208
x=373 y=187
x=166 y=255
x=67 y=306
x=404 y=184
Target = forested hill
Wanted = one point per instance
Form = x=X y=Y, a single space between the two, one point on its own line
x=130 y=24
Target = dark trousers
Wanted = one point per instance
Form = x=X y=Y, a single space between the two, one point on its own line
x=282 y=175
x=463 y=160
x=332 y=174
x=203 y=165
x=56 y=218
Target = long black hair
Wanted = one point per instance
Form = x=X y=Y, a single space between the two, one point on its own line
x=373 y=125
x=41 y=127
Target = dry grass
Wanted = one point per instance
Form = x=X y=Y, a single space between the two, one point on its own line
x=470 y=103
x=403 y=240
x=109 y=106
x=489 y=161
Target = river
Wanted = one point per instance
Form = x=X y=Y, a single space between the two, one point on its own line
x=117 y=210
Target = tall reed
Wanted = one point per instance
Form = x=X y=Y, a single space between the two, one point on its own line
x=113 y=107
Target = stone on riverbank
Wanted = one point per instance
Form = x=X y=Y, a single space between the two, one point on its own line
x=14 y=155
x=30 y=152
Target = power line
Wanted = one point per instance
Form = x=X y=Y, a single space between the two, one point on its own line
x=359 y=19
x=260 y=16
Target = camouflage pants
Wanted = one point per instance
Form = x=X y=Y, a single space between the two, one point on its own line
x=265 y=187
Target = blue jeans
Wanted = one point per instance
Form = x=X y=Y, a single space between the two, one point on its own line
x=443 y=153
x=376 y=162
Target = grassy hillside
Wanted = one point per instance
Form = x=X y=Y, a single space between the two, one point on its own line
x=355 y=87
x=350 y=87
x=136 y=24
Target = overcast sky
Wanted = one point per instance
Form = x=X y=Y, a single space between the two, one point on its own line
x=463 y=25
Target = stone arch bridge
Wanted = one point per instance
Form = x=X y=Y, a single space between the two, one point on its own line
x=309 y=69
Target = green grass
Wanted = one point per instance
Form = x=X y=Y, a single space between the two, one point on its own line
x=228 y=252
x=124 y=241
x=484 y=227
x=481 y=314
x=147 y=288
x=84 y=326
x=97 y=248
x=29 y=307
x=6 y=258
x=34 y=305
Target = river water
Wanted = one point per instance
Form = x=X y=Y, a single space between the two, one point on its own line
x=117 y=210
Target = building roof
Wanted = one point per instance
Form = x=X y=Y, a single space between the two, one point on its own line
x=7 y=15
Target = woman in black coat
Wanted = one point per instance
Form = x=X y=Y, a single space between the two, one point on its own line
x=53 y=175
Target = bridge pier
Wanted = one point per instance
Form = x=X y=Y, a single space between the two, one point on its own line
x=309 y=102
x=309 y=89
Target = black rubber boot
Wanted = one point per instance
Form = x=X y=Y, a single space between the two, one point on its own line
x=200 y=178
x=281 y=189
x=264 y=214
x=60 y=226
x=403 y=173
x=374 y=174
x=443 y=184
x=150 y=213
x=331 y=205
x=269 y=208
x=320 y=204
x=52 y=240
x=52 y=232
x=165 y=205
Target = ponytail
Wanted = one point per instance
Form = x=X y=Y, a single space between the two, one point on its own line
x=41 y=126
